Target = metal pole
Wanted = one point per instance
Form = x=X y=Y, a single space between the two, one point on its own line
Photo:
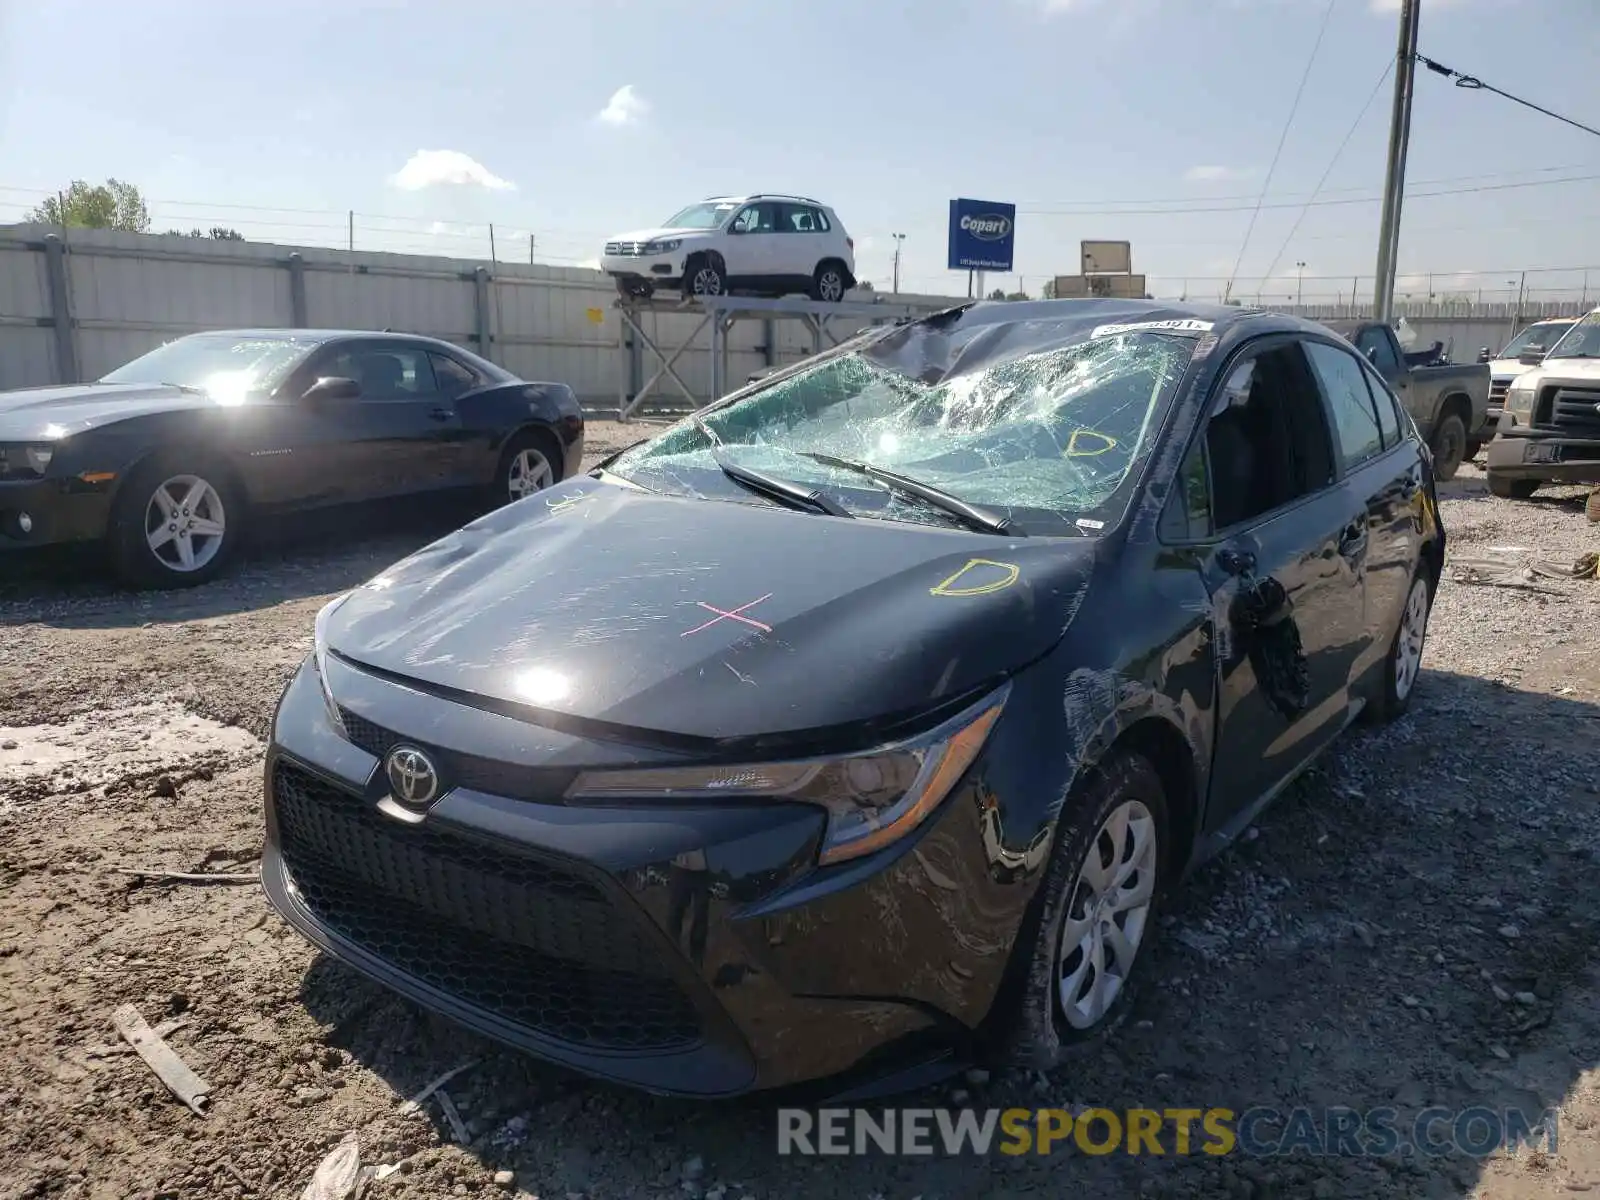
x=352 y=241
x=899 y=238
x=980 y=286
x=1299 y=283
x=1395 y=177
x=969 y=285
x=530 y=249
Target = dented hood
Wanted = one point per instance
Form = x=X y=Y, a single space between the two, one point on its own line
x=710 y=619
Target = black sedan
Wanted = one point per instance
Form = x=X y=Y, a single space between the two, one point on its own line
x=167 y=459
x=854 y=727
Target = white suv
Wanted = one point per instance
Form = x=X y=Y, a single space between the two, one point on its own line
x=765 y=245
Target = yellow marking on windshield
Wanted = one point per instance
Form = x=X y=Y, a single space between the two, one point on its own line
x=1009 y=573
x=1101 y=442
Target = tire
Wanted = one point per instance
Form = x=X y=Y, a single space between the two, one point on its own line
x=1474 y=448
x=530 y=462
x=704 y=276
x=1512 y=489
x=1449 y=446
x=1043 y=1034
x=830 y=281
x=176 y=522
x=1403 y=663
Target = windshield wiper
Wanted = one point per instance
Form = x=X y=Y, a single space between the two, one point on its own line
x=783 y=491
x=974 y=516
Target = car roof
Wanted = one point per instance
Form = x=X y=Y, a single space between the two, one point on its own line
x=1225 y=319
x=791 y=198
x=324 y=336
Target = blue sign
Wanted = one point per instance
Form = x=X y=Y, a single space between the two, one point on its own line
x=982 y=234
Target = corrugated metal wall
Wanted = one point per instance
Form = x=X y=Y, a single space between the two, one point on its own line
x=131 y=292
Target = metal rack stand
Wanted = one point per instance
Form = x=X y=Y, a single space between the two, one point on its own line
x=720 y=313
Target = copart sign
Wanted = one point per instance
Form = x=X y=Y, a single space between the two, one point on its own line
x=982 y=235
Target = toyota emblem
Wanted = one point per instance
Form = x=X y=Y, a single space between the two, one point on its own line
x=413 y=779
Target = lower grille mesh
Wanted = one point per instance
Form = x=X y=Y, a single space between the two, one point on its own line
x=521 y=937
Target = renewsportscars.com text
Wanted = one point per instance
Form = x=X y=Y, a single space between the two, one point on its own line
x=1255 y=1132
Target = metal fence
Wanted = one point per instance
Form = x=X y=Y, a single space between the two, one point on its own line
x=78 y=303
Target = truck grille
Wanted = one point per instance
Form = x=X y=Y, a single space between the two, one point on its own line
x=1497 y=390
x=625 y=249
x=519 y=936
x=1574 y=410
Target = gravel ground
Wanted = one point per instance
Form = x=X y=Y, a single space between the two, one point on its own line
x=1413 y=924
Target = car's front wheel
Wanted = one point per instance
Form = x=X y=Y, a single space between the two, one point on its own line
x=704 y=276
x=175 y=523
x=1099 y=901
x=1512 y=489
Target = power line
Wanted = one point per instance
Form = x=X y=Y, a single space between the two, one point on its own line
x=1332 y=162
x=1472 y=83
x=1294 y=108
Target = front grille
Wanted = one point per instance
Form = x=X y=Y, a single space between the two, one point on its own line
x=1498 y=389
x=463 y=770
x=522 y=937
x=1575 y=410
x=374 y=739
x=625 y=249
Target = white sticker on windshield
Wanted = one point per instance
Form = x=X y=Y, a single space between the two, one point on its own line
x=1086 y=523
x=1187 y=326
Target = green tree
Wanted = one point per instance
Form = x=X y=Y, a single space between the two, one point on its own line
x=113 y=204
x=217 y=233
x=998 y=294
x=1048 y=291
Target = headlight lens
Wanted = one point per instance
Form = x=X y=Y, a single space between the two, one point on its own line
x=319 y=658
x=1519 y=399
x=24 y=460
x=664 y=247
x=872 y=799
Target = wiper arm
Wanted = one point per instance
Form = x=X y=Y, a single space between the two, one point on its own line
x=974 y=516
x=784 y=491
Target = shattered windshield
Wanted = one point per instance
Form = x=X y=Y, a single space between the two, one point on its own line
x=1581 y=341
x=1048 y=438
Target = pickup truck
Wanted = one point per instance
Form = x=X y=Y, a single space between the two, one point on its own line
x=1550 y=429
x=1450 y=404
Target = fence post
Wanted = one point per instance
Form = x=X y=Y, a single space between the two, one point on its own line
x=61 y=318
x=480 y=298
x=297 y=292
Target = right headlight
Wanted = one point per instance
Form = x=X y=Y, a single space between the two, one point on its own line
x=873 y=799
x=1519 y=399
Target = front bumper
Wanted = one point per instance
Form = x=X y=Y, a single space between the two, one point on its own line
x=693 y=949
x=1531 y=452
x=55 y=511
x=659 y=270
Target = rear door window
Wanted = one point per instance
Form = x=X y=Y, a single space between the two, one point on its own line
x=1356 y=433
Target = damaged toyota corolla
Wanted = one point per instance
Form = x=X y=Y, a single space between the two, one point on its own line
x=853 y=729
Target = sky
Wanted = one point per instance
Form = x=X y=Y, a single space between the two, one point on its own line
x=1152 y=121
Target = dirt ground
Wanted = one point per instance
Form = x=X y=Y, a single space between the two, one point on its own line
x=1413 y=925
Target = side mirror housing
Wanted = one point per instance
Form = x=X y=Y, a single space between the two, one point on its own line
x=1532 y=356
x=331 y=387
x=1485 y=355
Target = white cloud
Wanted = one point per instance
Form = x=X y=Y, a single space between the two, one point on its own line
x=626 y=107
x=447 y=168
x=1216 y=174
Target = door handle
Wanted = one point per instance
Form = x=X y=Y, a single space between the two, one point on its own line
x=441 y=414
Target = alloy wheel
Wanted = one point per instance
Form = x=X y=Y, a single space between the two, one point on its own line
x=707 y=282
x=1107 y=912
x=530 y=472
x=185 y=523
x=1408 y=645
x=831 y=286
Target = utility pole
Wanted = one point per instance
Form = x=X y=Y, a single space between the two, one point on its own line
x=898 y=239
x=1394 y=185
x=1299 y=283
